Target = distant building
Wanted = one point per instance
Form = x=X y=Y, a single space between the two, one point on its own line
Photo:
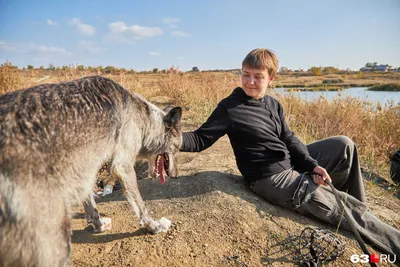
x=382 y=67
x=366 y=69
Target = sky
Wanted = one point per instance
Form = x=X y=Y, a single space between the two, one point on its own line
x=208 y=34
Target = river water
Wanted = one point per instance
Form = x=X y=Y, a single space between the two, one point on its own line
x=357 y=92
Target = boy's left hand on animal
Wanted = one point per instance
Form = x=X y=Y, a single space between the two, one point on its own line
x=319 y=175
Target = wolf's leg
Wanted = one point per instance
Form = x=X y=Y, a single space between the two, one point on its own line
x=127 y=176
x=65 y=240
x=53 y=232
x=93 y=217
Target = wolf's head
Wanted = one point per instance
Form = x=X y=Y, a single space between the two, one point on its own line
x=165 y=162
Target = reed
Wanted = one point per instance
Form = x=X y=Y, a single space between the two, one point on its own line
x=393 y=87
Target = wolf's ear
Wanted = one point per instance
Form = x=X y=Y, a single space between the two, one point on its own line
x=168 y=108
x=173 y=118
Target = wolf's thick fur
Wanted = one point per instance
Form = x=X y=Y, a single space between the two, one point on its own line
x=53 y=139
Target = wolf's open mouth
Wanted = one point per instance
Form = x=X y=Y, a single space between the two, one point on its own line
x=162 y=165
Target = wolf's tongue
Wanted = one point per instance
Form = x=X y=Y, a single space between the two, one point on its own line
x=161 y=169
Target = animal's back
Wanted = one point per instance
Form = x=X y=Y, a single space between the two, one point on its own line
x=49 y=121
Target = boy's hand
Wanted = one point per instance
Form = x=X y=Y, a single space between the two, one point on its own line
x=319 y=175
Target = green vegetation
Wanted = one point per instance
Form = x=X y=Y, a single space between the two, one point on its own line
x=330 y=81
x=393 y=87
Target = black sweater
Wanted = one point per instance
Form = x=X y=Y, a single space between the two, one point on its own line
x=261 y=140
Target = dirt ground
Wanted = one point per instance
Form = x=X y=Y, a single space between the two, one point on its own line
x=217 y=221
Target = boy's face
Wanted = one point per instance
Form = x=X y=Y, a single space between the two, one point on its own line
x=255 y=82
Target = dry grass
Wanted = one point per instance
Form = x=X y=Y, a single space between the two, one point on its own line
x=10 y=79
x=199 y=93
x=375 y=130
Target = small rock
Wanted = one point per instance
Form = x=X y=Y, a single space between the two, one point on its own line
x=107 y=249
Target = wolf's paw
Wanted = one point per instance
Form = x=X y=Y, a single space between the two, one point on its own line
x=155 y=227
x=163 y=225
x=105 y=225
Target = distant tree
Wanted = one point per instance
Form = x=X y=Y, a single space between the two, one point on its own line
x=283 y=69
x=109 y=69
x=80 y=67
x=330 y=69
x=8 y=64
x=30 y=67
x=316 y=71
x=195 y=69
x=65 y=68
x=369 y=65
x=155 y=70
x=51 y=67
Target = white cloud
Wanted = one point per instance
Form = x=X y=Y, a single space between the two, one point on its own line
x=90 y=47
x=171 y=20
x=180 y=34
x=10 y=48
x=42 y=49
x=117 y=38
x=51 y=23
x=152 y=53
x=84 y=29
x=120 y=32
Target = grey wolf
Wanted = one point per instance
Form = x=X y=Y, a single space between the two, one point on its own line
x=53 y=139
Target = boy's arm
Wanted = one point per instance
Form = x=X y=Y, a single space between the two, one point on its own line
x=298 y=151
x=216 y=126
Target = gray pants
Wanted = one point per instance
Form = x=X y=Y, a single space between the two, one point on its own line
x=296 y=191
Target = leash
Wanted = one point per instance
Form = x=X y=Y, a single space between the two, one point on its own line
x=351 y=222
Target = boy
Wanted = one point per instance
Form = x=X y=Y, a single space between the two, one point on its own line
x=278 y=166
